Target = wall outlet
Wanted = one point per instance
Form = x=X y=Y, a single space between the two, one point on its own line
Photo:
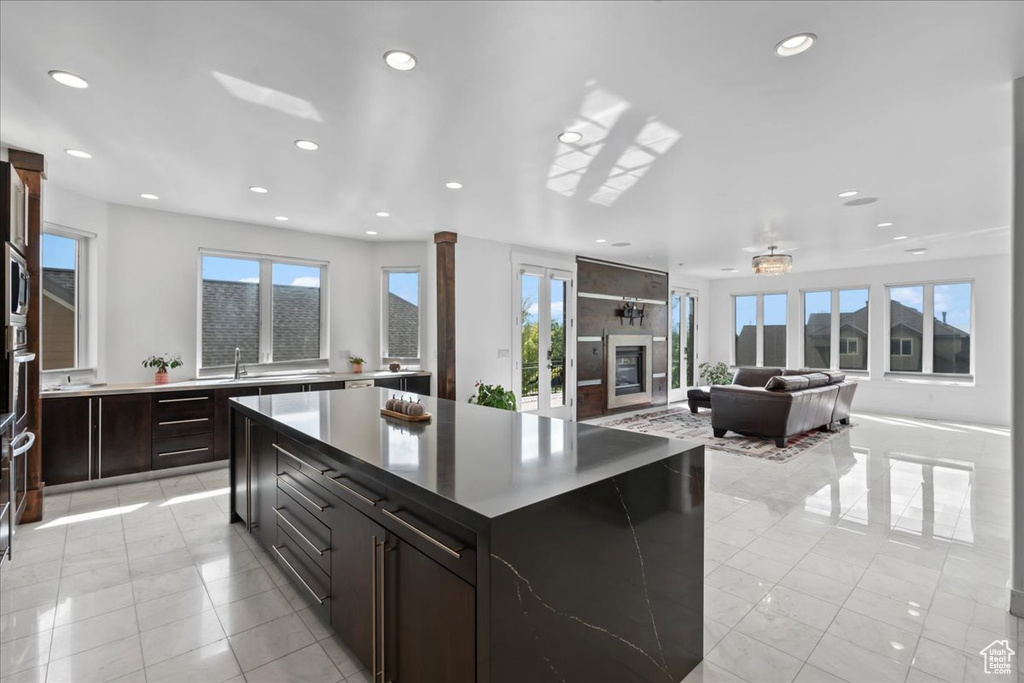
x=504 y=353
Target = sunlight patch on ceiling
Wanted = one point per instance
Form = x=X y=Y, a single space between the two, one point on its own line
x=268 y=97
x=599 y=112
x=653 y=140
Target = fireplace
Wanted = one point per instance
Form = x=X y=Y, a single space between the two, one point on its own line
x=628 y=376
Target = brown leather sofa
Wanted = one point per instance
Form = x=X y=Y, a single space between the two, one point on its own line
x=758 y=404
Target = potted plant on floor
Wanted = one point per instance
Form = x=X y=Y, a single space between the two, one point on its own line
x=493 y=395
x=715 y=374
x=162 y=364
x=357 y=364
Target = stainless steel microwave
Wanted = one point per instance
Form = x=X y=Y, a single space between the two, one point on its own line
x=18 y=289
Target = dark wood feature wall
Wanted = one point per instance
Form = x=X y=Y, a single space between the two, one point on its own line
x=32 y=169
x=445 y=242
x=599 y=317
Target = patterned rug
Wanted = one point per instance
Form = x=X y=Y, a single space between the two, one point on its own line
x=680 y=423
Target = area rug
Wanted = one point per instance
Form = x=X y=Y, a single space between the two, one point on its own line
x=680 y=423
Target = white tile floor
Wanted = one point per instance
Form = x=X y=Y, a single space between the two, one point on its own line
x=879 y=556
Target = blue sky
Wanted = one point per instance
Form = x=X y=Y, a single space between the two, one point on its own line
x=242 y=270
x=405 y=286
x=58 y=252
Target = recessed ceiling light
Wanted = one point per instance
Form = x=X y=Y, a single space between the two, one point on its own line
x=78 y=154
x=69 y=79
x=258 y=190
x=600 y=241
x=897 y=646
x=917 y=252
x=900 y=237
x=280 y=218
x=885 y=225
x=848 y=193
x=453 y=185
x=570 y=136
x=383 y=214
x=307 y=145
x=400 y=60
x=147 y=195
x=795 y=44
x=371 y=232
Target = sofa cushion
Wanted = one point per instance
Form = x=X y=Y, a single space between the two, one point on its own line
x=754 y=377
x=787 y=383
x=834 y=376
x=816 y=379
x=803 y=371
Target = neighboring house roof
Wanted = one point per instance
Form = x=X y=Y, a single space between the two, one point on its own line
x=403 y=328
x=59 y=284
x=913 y=320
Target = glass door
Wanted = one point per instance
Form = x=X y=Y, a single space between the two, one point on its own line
x=544 y=362
x=682 y=343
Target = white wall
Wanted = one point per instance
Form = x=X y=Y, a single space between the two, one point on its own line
x=987 y=401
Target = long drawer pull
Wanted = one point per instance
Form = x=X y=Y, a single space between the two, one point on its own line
x=280 y=516
x=189 y=450
x=181 y=422
x=428 y=537
x=298 y=576
x=337 y=482
x=183 y=400
x=298 y=459
x=283 y=479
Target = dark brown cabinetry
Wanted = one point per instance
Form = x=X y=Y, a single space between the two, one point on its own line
x=377 y=574
x=415 y=384
x=93 y=438
x=183 y=428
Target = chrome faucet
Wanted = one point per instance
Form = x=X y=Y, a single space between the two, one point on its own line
x=239 y=368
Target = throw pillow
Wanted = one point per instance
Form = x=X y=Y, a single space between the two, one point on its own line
x=787 y=383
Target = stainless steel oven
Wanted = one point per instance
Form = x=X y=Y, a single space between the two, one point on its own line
x=18 y=389
x=16 y=273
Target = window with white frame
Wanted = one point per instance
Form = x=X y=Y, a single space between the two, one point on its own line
x=272 y=309
x=930 y=326
x=400 y=316
x=63 y=319
x=759 y=329
x=836 y=329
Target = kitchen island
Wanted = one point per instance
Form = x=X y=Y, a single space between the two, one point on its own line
x=482 y=546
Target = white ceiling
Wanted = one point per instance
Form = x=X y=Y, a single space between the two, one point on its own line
x=906 y=102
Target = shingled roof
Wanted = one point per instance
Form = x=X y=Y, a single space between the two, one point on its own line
x=403 y=328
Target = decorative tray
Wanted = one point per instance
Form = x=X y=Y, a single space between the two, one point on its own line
x=402 y=416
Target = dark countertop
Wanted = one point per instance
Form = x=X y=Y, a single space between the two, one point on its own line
x=484 y=460
x=225 y=383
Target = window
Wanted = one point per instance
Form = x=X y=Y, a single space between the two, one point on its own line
x=760 y=330
x=63 y=336
x=930 y=328
x=836 y=329
x=272 y=309
x=401 y=315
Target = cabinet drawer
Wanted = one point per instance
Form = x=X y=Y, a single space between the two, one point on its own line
x=182 y=450
x=182 y=405
x=433 y=540
x=304 y=492
x=305 y=531
x=309 y=581
x=181 y=426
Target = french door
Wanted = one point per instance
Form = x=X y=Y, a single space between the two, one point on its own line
x=682 y=343
x=544 y=368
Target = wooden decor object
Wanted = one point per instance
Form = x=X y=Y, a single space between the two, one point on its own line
x=32 y=169
x=445 y=242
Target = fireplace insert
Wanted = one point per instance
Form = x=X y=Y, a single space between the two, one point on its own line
x=629 y=366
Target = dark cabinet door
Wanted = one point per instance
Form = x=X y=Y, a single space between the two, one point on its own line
x=221 y=415
x=125 y=441
x=67 y=425
x=241 y=471
x=263 y=484
x=430 y=614
x=390 y=383
x=282 y=389
x=356 y=545
x=418 y=385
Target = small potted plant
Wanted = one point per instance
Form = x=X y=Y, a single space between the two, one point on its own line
x=162 y=364
x=357 y=363
x=493 y=395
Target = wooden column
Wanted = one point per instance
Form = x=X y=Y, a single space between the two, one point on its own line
x=445 y=242
x=32 y=169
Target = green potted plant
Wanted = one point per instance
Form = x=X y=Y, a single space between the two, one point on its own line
x=493 y=395
x=357 y=363
x=718 y=373
x=162 y=364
